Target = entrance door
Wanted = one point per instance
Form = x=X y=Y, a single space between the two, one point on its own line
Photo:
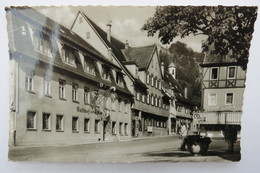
x=133 y=128
x=104 y=129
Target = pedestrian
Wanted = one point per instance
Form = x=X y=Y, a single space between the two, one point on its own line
x=230 y=137
x=183 y=134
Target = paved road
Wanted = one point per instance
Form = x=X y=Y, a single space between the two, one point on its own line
x=161 y=149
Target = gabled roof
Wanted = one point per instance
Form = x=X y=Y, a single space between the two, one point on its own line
x=142 y=55
x=23 y=44
x=115 y=44
x=45 y=23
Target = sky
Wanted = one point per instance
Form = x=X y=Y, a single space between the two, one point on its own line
x=127 y=22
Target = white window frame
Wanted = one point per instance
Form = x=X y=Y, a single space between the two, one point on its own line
x=47 y=85
x=137 y=95
x=148 y=99
x=89 y=66
x=209 y=99
x=226 y=98
x=34 y=120
x=147 y=79
x=86 y=96
x=62 y=86
x=68 y=57
x=29 y=81
x=61 y=122
x=211 y=69
x=48 y=121
x=39 y=42
x=228 y=71
x=88 y=123
x=75 y=92
x=77 y=124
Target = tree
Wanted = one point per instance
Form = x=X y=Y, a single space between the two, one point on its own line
x=228 y=29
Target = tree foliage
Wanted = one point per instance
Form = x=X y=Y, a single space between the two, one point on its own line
x=228 y=29
x=187 y=68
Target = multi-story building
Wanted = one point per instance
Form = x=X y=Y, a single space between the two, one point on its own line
x=180 y=107
x=223 y=86
x=62 y=90
x=150 y=111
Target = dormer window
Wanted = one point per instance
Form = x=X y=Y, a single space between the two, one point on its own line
x=42 y=44
x=68 y=56
x=105 y=73
x=89 y=66
x=119 y=79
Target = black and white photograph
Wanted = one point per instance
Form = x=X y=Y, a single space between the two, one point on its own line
x=109 y=84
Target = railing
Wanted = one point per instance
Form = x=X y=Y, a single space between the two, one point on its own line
x=220 y=117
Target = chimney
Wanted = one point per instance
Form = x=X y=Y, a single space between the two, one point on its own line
x=109 y=30
x=126 y=44
x=162 y=68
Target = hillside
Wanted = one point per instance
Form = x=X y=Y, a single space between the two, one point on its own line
x=187 y=68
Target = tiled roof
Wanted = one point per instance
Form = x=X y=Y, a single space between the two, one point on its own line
x=23 y=44
x=217 y=59
x=115 y=44
x=142 y=55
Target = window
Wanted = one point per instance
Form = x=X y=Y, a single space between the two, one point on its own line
x=86 y=125
x=75 y=124
x=152 y=100
x=97 y=126
x=186 y=111
x=160 y=85
x=68 y=56
x=159 y=102
x=229 y=98
x=126 y=128
x=155 y=83
x=143 y=98
x=152 y=81
x=59 y=122
x=148 y=99
x=119 y=79
x=46 y=121
x=80 y=19
x=137 y=95
x=47 y=85
x=86 y=96
x=29 y=81
x=119 y=105
x=106 y=73
x=74 y=92
x=156 y=101
x=42 y=44
x=231 y=72
x=89 y=66
x=31 y=120
x=147 y=78
x=88 y=35
x=62 y=84
x=120 y=128
x=212 y=99
x=173 y=72
x=214 y=73
x=113 y=127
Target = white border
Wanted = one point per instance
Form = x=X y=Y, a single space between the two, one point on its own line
x=250 y=120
